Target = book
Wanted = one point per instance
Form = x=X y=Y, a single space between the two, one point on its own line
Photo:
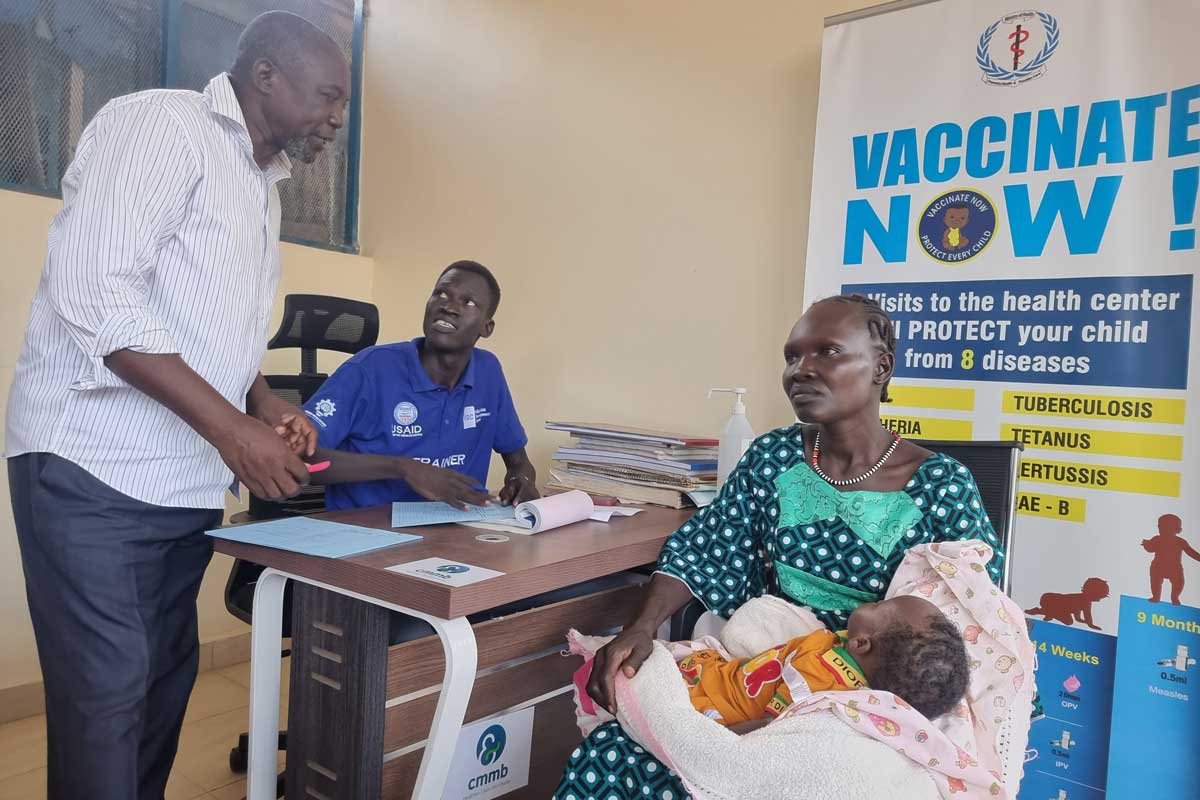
x=566 y=479
x=649 y=463
x=633 y=434
x=635 y=475
x=647 y=449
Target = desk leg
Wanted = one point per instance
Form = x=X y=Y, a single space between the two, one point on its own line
x=266 y=635
x=458 y=644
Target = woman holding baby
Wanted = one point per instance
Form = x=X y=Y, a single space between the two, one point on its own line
x=820 y=514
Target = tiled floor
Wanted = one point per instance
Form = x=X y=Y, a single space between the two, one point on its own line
x=216 y=715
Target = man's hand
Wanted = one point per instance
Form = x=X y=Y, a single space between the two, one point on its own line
x=287 y=420
x=518 y=488
x=520 y=479
x=261 y=459
x=298 y=432
x=446 y=485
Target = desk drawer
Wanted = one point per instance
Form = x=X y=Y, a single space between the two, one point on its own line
x=357 y=726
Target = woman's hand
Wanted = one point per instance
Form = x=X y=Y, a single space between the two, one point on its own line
x=624 y=653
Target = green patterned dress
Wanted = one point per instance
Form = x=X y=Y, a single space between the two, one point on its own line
x=778 y=528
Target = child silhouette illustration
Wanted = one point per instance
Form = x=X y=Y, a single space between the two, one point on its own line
x=1168 y=549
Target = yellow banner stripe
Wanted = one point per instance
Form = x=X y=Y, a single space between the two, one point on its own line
x=928 y=427
x=1094 y=406
x=932 y=397
x=1082 y=440
x=1052 y=506
x=1093 y=476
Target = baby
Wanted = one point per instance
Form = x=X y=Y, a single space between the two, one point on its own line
x=905 y=646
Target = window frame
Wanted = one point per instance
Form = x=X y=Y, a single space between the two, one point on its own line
x=172 y=11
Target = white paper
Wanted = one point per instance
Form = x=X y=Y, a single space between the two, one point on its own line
x=491 y=758
x=605 y=513
x=446 y=572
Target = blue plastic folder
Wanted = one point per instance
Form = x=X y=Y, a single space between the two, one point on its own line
x=313 y=537
x=411 y=515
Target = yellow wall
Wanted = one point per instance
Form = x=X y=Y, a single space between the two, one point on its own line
x=637 y=175
x=24 y=220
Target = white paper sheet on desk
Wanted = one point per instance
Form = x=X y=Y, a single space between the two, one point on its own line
x=313 y=537
x=552 y=512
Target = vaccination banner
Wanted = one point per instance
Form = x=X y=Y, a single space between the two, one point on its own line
x=1017 y=187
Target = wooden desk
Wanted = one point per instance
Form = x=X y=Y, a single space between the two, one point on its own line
x=531 y=565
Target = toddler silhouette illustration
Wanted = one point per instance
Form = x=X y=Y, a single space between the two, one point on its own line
x=956 y=218
x=1168 y=549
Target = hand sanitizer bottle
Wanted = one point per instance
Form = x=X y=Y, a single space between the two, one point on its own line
x=736 y=436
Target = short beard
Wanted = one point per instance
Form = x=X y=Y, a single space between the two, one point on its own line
x=300 y=148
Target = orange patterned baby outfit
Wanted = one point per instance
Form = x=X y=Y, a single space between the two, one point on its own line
x=741 y=690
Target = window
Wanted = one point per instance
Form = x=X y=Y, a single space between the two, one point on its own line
x=61 y=60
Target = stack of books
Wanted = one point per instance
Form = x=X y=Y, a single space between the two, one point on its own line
x=635 y=465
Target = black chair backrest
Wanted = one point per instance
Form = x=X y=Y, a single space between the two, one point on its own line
x=995 y=466
x=310 y=322
x=313 y=322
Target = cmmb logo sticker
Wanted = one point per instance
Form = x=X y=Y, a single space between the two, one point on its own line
x=492 y=757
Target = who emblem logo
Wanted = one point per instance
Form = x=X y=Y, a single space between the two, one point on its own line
x=1015 y=48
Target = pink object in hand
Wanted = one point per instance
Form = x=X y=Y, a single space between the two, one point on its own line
x=320 y=465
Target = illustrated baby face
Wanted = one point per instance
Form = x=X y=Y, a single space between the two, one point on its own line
x=956 y=217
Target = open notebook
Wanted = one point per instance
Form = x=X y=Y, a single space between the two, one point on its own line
x=534 y=516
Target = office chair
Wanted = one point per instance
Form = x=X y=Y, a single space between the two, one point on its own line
x=310 y=322
x=995 y=466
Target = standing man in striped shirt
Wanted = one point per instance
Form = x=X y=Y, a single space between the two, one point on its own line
x=137 y=397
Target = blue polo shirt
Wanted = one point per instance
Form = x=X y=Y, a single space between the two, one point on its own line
x=382 y=402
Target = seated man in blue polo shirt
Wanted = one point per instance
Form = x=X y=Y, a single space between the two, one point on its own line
x=420 y=420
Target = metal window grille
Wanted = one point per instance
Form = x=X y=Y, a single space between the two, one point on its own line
x=61 y=60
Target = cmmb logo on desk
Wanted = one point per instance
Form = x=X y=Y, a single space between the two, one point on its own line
x=492 y=757
x=488 y=750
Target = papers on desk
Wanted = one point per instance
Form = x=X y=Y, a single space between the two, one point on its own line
x=413 y=515
x=313 y=537
x=532 y=517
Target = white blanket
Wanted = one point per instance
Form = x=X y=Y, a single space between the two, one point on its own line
x=848 y=745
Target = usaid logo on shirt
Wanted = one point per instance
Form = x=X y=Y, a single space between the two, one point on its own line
x=405 y=414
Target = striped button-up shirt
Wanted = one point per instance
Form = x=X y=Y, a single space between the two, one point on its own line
x=168 y=242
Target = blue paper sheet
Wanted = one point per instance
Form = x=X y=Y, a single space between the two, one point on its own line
x=313 y=537
x=410 y=515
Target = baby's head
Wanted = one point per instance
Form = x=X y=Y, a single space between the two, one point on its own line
x=906 y=646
